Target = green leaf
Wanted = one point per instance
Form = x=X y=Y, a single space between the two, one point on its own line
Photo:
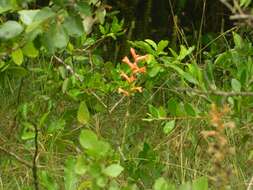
x=172 y=106
x=28 y=131
x=88 y=139
x=30 y=51
x=245 y=3
x=43 y=15
x=84 y=8
x=200 y=184
x=80 y=167
x=161 y=184
x=169 y=126
x=237 y=40
x=236 y=85
x=189 y=109
x=113 y=170
x=73 y=25
x=154 y=71
x=100 y=15
x=152 y=43
x=162 y=45
x=59 y=38
x=70 y=178
x=27 y=16
x=7 y=5
x=17 y=56
x=47 y=181
x=184 y=52
x=183 y=74
x=83 y=114
x=10 y=29
x=153 y=111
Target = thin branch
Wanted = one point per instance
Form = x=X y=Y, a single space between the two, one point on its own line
x=116 y=104
x=241 y=17
x=230 y=7
x=20 y=160
x=69 y=68
x=211 y=92
x=34 y=166
x=250 y=184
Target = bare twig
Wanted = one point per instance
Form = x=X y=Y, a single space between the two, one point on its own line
x=250 y=184
x=241 y=17
x=16 y=157
x=69 y=68
x=34 y=166
x=228 y=5
x=116 y=104
x=211 y=92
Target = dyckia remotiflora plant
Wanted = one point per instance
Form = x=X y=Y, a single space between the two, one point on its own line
x=134 y=69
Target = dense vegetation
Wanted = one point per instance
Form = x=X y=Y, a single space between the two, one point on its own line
x=126 y=95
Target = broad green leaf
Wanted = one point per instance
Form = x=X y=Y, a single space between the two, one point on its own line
x=84 y=8
x=43 y=15
x=10 y=29
x=70 y=178
x=161 y=184
x=113 y=170
x=59 y=38
x=236 y=85
x=83 y=114
x=100 y=149
x=183 y=74
x=184 y=52
x=88 y=139
x=169 y=126
x=30 y=51
x=27 y=16
x=237 y=40
x=162 y=45
x=154 y=71
x=73 y=25
x=17 y=57
x=153 y=111
x=81 y=167
x=172 y=106
x=189 y=109
x=7 y=5
x=152 y=43
x=200 y=184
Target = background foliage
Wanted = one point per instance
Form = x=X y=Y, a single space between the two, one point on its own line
x=126 y=94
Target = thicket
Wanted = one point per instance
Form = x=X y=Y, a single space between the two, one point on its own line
x=126 y=95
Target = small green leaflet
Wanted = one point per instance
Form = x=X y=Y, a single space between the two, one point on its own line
x=113 y=170
x=17 y=56
x=83 y=114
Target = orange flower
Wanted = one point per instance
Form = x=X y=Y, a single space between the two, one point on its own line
x=133 y=53
x=124 y=92
x=132 y=66
x=140 y=70
x=129 y=79
x=137 y=88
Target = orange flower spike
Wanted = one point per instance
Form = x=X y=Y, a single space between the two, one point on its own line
x=128 y=62
x=124 y=92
